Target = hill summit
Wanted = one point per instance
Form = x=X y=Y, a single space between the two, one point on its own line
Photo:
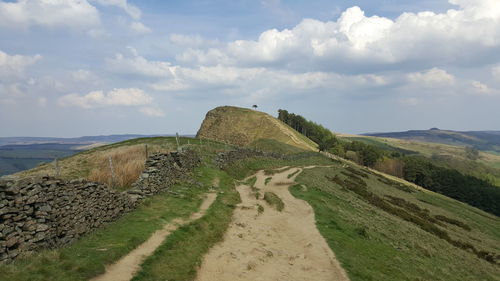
x=241 y=126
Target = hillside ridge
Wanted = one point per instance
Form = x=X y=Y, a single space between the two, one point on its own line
x=241 y=127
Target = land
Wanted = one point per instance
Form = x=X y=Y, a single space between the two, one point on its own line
x=23 y=153
x=324 y=217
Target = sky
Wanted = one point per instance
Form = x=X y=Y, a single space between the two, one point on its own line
x=97 y=67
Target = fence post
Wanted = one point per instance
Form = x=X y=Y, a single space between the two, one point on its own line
x=147 y=151
x=177 y=140
x=56 y=167
x=113 y=182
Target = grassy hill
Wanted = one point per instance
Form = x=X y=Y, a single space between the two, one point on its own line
x=486 y=166
x=482 y=140
x=23 y=153
x=379 y=227
x=242 y=127
x=128 y=159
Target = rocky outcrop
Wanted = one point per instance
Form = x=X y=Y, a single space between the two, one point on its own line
x=46 y=212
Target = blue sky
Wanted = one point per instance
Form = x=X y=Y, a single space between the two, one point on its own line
x=89 y=67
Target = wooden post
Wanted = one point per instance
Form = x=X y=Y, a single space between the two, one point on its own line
x=177 y=139
x=147 y=151
x=56 y=167
x=113 y=182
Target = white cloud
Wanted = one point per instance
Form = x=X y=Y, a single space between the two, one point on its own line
x=11 y=92
x=14 y=65
x=82 y=75
x=152 y=111
x=130 y=9
x=431 y=78
x=243 y=81
x=140 y=28
x=359 y=41
x=120 y=97
x=481 y=88
x=136 y=64
x=495 y=71
x=50 y=13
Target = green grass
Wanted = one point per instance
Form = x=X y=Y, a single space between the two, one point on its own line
x=247 y=167
x=251 y=181
x=260 y=209
x=373 y=244
x=181 y=254
x=242 y=126
x=445 y=155
x=267 y=180
x=87 y=257
x=274 y=201
x=272 y=145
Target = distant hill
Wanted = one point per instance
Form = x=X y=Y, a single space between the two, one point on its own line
x=22 y=153
x=482 y=140
x=241 y=126
x=78 y=140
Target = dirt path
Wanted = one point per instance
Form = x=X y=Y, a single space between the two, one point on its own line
x=272 y=245
x=129 y=265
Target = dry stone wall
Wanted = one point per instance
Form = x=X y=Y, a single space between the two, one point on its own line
x=46 y=212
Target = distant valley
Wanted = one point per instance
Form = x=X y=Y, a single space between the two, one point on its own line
x=22 y=153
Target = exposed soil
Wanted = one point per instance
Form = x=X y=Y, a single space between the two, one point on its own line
x=271 y=245
x=129 y=265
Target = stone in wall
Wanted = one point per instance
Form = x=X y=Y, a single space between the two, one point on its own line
x=46 y=212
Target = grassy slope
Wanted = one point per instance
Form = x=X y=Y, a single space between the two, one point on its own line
x=272 y=145
x=83 y=164
x=486 y=167
x=370 y=243
x=242 y=126
x=87 y=257
x=375 y=245
x=181 y=254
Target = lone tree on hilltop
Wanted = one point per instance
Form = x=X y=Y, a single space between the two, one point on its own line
x=254 y=106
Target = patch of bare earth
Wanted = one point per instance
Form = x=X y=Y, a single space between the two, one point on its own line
x=126 y=268
x=271 y=245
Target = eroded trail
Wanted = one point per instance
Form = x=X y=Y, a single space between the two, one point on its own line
x=271 y=245
x=129 y=265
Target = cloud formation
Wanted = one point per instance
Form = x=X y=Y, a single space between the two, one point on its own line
x=375 y=43
x=140 y=28
x=48 y=13
x=432 y=77
x=115 y=97
x=130 y=9
x=136 y=64
x=15 y=65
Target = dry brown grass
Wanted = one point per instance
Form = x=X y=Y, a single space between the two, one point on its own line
x=128 y=163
